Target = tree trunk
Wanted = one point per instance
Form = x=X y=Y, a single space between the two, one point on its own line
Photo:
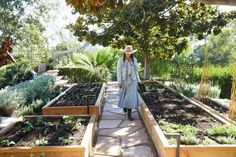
x=147 y=61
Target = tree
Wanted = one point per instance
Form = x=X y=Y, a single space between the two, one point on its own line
x=156 y=28
x=220 y=48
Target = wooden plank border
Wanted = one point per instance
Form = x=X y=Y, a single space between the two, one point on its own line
x=83 y=150
x=75 y=110
x=164 y=149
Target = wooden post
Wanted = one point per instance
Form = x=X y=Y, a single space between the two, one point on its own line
x=232 y=103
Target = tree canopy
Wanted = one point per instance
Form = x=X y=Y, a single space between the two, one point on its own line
x=158 y=29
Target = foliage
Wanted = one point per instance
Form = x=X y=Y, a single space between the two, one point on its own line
x=226 y=140
x=223 y=130
x=15 y=14
x=13 y=74
x=156 y=28
x=187 y=132
x=32 y=46
x=92 y=67
x=182 y=68
x=220 y=49
x=221 y=76
x=25 y=94
x=189 y=140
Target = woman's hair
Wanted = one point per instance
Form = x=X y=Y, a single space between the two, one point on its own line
x=132 y=57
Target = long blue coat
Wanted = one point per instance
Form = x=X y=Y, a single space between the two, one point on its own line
x=127 y=75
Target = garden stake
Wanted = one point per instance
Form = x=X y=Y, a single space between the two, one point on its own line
x=177 y=137
x=232 y=103
x=87 y=102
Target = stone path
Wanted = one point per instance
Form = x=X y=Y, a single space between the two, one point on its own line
x=119 y=137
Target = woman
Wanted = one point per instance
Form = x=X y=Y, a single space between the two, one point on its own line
x=127 y=77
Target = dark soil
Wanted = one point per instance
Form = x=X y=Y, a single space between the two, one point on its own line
x=50 y=131
x=168 y=106
x=215 y=106
x=80 y=95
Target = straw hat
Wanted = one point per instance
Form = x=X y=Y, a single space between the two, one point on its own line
x=129 y=49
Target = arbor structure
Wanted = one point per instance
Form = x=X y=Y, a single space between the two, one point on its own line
x=158 y=29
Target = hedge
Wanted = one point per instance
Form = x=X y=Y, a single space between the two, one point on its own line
x=222 y=76
x=79 y=75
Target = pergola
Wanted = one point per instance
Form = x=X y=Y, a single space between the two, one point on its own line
x=219 y=2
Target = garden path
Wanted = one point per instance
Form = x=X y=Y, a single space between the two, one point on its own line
x=116 y=135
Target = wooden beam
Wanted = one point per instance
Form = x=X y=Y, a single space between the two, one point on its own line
x=219 y=2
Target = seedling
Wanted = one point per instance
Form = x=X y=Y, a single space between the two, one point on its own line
x=224 y=130
x=7 y=143
x=68 y=119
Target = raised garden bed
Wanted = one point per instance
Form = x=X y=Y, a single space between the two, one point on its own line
x=80 y=99
x=216 y=108
x=48 y=137
x=165 y=112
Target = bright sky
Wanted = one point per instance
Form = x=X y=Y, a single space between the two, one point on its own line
x=64 y=17
x=56 y=30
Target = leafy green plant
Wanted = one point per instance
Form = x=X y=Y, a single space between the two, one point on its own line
x=223 y=130
x=68 y=119
x=65 y=141
x=40 y=142
x=7 y=142
x=226 y=140
x=77 y=125
x=29 y=126
x=189 y=140
x=187 y=132
x=208 y=141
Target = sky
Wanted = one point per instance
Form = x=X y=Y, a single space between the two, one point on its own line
x=64 y=17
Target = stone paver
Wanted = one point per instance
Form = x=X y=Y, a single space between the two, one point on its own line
x=118 y=131
x=135 y=122
x=109 y=124
x=108 y=146
x=140 y=151
x=116 y=135
x=109 y=115
x=137 y=138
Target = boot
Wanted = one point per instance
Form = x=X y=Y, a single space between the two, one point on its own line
x=125 y=110
x=129 y=115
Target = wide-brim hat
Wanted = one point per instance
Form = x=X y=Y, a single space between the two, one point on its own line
x=129 y=49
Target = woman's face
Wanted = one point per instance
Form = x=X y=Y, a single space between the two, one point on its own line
x=127 y=55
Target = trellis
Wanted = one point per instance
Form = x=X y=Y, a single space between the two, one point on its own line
x=232 y=103
x=205 y=85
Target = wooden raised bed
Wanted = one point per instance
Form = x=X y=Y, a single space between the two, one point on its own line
x=81 y=150
x=68 y=107
x=165 y=149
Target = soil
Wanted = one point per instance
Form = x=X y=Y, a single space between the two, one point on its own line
x=168 y=106
x=80 y=95
x=221 y=110
x=57 y=133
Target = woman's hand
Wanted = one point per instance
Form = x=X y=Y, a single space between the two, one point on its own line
x=119 y=85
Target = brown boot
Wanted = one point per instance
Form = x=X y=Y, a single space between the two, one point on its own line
x=129 y=115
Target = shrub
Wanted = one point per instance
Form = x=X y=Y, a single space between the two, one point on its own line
x=220 y=76
x=24 y=95
x=77 y=74
x=13 y=74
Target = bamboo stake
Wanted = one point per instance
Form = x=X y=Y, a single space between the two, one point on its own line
x=232 y=103
x=205 y=85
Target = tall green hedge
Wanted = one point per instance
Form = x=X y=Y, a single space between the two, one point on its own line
x=218 y=75
x=78 y=75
